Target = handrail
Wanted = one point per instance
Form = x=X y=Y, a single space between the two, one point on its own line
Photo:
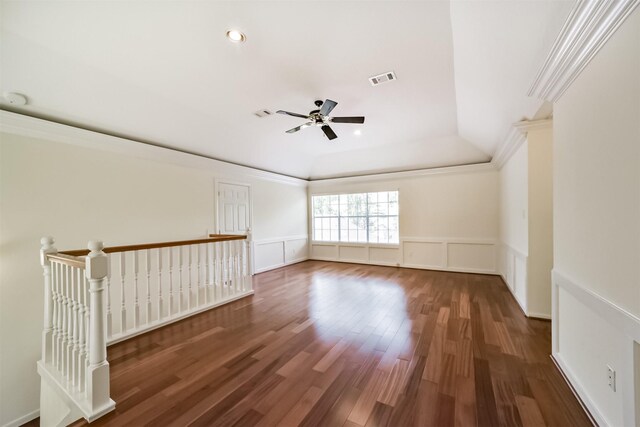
x=126 y=248
x=70 y=260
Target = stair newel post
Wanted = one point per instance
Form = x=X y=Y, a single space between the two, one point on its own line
x=47 y=331
x=98 y=370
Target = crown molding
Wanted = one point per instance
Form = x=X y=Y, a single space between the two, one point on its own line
x=389 y=176
x=586 y=30
x=515 y=138
x=19 y=124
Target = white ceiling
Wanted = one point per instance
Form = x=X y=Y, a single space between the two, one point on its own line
x=163 y=72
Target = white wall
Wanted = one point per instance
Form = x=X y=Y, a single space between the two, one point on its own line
x=540 y=227
x=76 y=194
x=514 y=224
x=448 y=220
x=526 y=219
x=597 y=227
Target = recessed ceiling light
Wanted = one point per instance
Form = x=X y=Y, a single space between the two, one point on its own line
x=357 y=132
x=236 y=36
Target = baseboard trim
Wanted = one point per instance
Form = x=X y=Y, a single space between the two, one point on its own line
x=284 y=264
x=592 y=412
x=23 y=419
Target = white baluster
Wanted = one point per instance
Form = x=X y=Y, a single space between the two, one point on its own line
x=225 y=268
x=123 y=306
x=47 y=330
x=180 y=279
x=72 y=324
x=198 y=262
x=148 y=267
x=216 y=272
x=206 y=274
x=190 y=267
x=78 y=342
x=160 y=300
x=109 y=316
x=241 y=265
x=249 y=261
x=84 y=336
x=65 y=323
x=170 y=281
x=98 y=371
x=55 y=276
x=236 y=262
x=60 y=316
x=136 y=302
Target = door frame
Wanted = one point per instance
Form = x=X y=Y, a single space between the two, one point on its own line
x=217 y=182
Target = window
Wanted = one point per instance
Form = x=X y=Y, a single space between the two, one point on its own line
x=359 y=217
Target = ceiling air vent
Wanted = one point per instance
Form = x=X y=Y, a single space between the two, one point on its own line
x=263 y=113
x=382 y=78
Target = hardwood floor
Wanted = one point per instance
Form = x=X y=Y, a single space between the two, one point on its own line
x=328 y=344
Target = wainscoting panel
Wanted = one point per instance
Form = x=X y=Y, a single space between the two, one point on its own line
x=467 y=255
x=274 y=253
x=589 y=334
x=513 y=269
x=384 y=256
x=353 y=253
x=480 y=257
x=423 y=254
x=324 y=251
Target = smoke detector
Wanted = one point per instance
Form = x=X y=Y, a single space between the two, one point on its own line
x=263 y=113
x=382 y=78
x=14 y=98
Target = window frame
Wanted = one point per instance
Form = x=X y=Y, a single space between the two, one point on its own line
x=338 y=217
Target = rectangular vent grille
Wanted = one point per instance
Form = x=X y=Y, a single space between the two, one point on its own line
x=263 y=113
x=382 y=78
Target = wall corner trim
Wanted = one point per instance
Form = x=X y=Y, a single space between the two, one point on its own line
x=515 y=138
x=586 y=30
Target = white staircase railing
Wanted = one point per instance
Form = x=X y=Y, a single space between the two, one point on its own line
x=100 y=296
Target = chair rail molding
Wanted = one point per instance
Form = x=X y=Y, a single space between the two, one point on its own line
x=586 y=30
x=619 y=320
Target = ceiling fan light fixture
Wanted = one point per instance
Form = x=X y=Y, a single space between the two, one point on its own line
x=236 y=36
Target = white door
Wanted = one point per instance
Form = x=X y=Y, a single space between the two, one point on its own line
x=234 y=216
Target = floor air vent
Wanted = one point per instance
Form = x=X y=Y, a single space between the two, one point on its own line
x=382 y=78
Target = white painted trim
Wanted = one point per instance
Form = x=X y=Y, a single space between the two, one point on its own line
x=619 y=318
x=523 y=257
x=165 y=322
x=23 y=419
x=586 y=30
x=22 y=125
x=445 y=242
x=576 y=386
x=216 y=198
x=515 y=138
x=463 y=169
x=284 y=241
x=624 y=321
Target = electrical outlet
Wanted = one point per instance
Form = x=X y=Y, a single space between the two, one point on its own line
x=612 y=377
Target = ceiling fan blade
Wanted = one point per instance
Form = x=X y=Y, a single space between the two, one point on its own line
x=329 y=132
x=288 y=113
x=296 y=129
x=327 y=106
x=359 y=120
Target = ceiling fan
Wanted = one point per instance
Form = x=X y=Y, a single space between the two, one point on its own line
x=321 y=118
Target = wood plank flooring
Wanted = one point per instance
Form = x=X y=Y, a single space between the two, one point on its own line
x=328 y=344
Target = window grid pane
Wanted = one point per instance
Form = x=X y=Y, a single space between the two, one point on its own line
x=359 y=217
